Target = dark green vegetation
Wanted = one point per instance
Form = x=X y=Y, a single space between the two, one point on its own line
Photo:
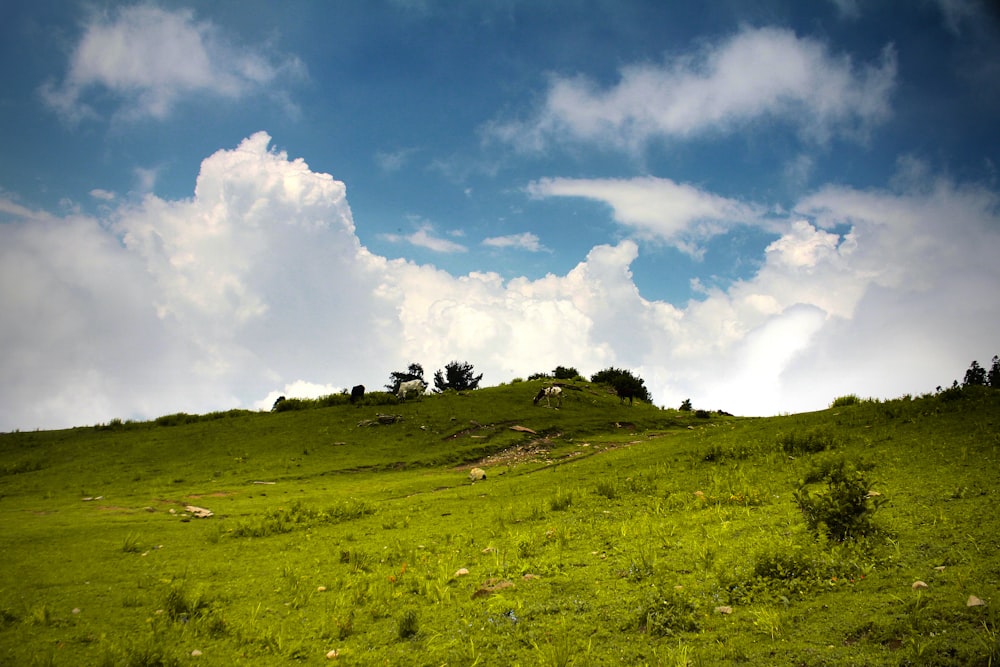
x=610 y=535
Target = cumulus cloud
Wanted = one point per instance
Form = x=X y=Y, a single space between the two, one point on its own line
x=257 y=285
x=149 y=58
x=657 y=208
x=297 y=389
x=758 y=73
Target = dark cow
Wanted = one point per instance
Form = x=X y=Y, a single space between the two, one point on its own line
x=625 y=393
x=357 y=393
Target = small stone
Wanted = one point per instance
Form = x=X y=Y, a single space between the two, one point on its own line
x=724 y=610
x=321 y=589
x=332 y=655
x=917 y=585
x=76 y=610
x=529 y=577
x=195 y=653
x=940 y=568
x=973 y=601
x=461 y=572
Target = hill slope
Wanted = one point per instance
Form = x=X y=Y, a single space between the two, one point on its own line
x=603 y=534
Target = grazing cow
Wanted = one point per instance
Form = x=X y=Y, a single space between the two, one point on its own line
x=549 y=393
x=357 y=393
x=625 y=392
x=409 y=387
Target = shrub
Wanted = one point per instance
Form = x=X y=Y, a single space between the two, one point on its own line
x=846 y=508
x=808 y=443
x=563 y=373
x=623 y=381
x=408 y=625
x=844 y=401
x=666 y=613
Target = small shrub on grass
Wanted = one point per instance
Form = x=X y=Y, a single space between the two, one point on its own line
x=408 y=624
x=130 y=544
x=666 y=613
x=844 y=401
x=178 y=606
x=845 y=509
x=808 y=443
x=607 y=488
x=561 y=501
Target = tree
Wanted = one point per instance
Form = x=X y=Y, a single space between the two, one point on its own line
x=976 y=375
x=623 y=381
x=993 y=377
x=686 y=405
x=396 y=378
x=563 y=373
x=457 y=376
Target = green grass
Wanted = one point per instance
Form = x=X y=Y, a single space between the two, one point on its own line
x=610 y=535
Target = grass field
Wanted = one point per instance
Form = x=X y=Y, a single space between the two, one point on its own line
x=603 y=534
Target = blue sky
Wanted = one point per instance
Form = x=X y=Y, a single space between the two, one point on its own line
x=758 y=206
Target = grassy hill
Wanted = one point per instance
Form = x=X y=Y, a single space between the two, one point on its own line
x=603 y=534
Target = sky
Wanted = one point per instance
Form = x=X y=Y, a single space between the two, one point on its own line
x=759 y=206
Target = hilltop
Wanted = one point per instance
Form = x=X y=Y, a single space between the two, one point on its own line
x=603 y=534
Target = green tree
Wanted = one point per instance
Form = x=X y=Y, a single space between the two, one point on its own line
x=563 y=373
x=624 y=383
x=396 y=378
x=993 y=377
x=976 y=375
x=458 y=376
x=686 y=405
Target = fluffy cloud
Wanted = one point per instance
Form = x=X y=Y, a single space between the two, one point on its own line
x=657 y=208
x=149 y=58
x=258 y=285
x=762 y=73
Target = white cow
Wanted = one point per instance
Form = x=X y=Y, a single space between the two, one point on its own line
x=406 y=388
x=549 y=393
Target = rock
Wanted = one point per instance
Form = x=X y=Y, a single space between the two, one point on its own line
x=477 y=474
x=332 y=655
x=523 y=429
x=940 y=568
x=491 y=586
x=917 y=585
x=76 y=610
x=973 y=601
x=724 y=610
x=195 y=653
x=529 y=577
x=198 y=512
x=461 y=572
x=321 y=589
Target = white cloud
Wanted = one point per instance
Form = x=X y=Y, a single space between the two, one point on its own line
x=103 y=195
x=258 y=284
x=150 y=58
x=759 y=73
x=657 y=208
x=425 y=237
x=297 y=389
x=524 y=241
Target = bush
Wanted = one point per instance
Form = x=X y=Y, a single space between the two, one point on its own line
x=844 y=401
x=807 y=443
x=846 y=508
x=623 y=381
x=666 y=613
x=563 y=373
